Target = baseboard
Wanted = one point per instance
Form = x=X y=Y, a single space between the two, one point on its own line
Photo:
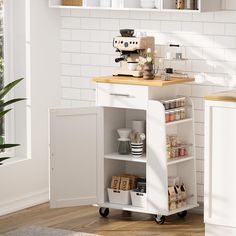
x=24 y=202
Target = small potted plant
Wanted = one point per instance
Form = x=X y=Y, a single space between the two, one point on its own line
x=137 y=143
x=148 y=70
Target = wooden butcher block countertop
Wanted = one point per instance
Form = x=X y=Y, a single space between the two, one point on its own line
x=226 y=96
x=140 y=81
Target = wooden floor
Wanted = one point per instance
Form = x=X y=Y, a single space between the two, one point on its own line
x=87 y=219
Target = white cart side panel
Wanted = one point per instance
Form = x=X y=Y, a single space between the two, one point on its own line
x=75 y=145
x=157 y=184
x=220 y=163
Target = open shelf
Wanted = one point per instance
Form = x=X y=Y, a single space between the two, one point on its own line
x=179 y=121
x=164 y=6
x=184 y=208
x=117 y=156
x=179 y=160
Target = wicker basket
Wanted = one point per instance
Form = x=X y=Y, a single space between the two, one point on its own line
x=73 y=2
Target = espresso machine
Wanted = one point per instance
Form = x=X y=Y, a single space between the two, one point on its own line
x=133 y=51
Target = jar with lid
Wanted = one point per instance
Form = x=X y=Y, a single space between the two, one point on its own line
x=166 y=104
x=182 y=102
x=172 y=116
x=167 y=115
x=177 y=115
x=173 y=141
x=172 y=104
x=182 y=113
x=177 y=102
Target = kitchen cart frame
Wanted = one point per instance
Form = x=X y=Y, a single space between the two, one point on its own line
x=85 y=163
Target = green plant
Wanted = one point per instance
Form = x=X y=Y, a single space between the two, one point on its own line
x=3 y=111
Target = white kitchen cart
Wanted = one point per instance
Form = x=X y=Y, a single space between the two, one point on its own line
x=83 y=149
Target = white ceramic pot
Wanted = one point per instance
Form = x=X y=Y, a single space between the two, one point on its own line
x=157 y=4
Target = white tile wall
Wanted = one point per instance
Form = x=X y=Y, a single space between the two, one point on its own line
x=209 y=40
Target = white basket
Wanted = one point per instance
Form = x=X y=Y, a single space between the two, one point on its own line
x=119 y=196
x=139 y=199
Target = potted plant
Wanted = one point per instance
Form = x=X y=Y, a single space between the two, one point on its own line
x=3 y=111
x=148 y=70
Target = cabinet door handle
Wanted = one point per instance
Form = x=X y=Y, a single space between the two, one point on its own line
x=120 y=95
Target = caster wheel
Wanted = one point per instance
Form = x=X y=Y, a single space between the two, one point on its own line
x=182 y=214
x=160 y=219
x=104 y=212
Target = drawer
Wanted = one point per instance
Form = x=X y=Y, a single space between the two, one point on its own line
x=122 y=96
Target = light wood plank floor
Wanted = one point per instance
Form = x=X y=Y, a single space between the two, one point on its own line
x=87 y=219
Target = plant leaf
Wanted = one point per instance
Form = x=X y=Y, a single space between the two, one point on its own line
x=5 y=146
x=8 y=87
x=3 y=113
x=11 y=102
x=3 y=159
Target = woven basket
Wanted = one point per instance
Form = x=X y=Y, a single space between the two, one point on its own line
x=73 y=2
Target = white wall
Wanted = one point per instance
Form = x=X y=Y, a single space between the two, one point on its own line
x=209 y=39
x=25 y=183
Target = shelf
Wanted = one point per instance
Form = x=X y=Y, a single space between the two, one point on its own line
x=144 y=210
x=179 y=122
x=117 y=156
x=179 y=160
x=185 y=208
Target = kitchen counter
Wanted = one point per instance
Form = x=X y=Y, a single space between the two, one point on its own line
x=157 y=82
x=227 y=96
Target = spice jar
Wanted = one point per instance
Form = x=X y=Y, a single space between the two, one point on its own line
x=182 y=113
x=172 y=104
x=173 y=141
x=182 y=102
x=177 y=102
x=166 y=104
x=168 y=152
x=172 y=116
x=182 y=151
x=167 y=114
x=177 y=115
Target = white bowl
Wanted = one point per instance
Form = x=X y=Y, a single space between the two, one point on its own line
x=132 y=65
x=147 y=3
x=124 y=133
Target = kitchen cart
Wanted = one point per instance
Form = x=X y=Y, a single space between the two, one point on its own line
x=83 y=147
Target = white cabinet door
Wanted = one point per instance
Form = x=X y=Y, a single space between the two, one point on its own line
x=220 y=162
x=76 y=146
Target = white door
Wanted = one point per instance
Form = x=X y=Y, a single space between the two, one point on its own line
x=220 y=162
x=76 y=145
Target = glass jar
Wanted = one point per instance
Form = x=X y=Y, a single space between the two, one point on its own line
x=182 y=102
x=167 y=115
x=182 y=114
x=177 y=115
x=172 y=104
x=166 y=104
x=172 y=116
x=173 y=141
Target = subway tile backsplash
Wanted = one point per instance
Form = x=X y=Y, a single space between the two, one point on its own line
x=208 y=39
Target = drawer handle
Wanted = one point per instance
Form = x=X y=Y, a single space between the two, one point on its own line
x=120 y=95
